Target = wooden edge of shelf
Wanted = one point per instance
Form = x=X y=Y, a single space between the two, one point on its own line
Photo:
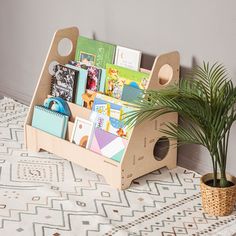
x=65 y=148
x=77 y=110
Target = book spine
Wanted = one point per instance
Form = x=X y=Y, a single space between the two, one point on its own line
x=75 y=85
x=52 y=91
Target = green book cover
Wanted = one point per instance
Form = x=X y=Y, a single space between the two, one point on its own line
x=94 y=52
x=117 y=77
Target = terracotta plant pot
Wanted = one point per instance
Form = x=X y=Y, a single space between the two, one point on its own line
x=218 y=201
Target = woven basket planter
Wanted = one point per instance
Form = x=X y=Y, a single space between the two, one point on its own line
x=218 y=201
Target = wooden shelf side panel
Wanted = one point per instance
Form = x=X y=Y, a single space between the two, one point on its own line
x=165 y=71
x=44 y=82
x=139 y=158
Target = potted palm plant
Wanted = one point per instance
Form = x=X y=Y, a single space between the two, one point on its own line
x=206 y=101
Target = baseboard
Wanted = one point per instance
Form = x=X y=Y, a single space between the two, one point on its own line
x=188 y=158
x=17 y=95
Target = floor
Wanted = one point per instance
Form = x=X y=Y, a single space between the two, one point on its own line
x=42 y=194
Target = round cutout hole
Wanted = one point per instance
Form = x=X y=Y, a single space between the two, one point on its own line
x=65 y=47
x=165 y=74
x=161 y=148
x=52 y=66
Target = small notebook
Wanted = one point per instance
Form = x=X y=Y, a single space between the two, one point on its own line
x=64 y=83
x=50 y=121
x=81 y=83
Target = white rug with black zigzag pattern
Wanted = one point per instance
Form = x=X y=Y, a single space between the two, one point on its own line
x=45 y=195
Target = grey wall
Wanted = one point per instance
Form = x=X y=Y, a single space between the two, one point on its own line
x=198 y=29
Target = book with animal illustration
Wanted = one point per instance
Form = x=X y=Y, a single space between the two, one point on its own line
x=110 y=106
x=108 y=113
x=64 y=82
x=128 y=58
x=117 y=77
x=110 y=124
x=94 y=52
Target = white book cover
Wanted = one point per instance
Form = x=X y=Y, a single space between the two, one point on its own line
x=82 y=132
x=128 y=58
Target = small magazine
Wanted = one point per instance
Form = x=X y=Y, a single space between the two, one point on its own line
x=64 y=82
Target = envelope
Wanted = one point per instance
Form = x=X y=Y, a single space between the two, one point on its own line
x=108 y=145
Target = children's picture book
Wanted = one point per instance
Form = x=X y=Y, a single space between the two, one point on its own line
x=117 y=76
x=131 y=94
x=109 y=106
x=93 y=52
x=108 y=113
x=106 y=108
x=128 y=58
x=95 y=76
x=110 y=124
x=82 y=132
x=64 y=82
x=108 y=145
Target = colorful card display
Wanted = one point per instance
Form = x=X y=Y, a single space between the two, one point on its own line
x=82 y=132
x=94 y=52
x=128 y=58
x=108 y=145
x=117 y=76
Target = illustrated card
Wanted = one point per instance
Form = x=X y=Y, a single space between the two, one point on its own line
x=82 y=132
x=108 y=145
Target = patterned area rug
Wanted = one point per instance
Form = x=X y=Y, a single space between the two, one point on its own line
x=42 y=194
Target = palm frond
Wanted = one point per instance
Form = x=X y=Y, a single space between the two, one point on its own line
x=185 y=134
x=206 y=99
